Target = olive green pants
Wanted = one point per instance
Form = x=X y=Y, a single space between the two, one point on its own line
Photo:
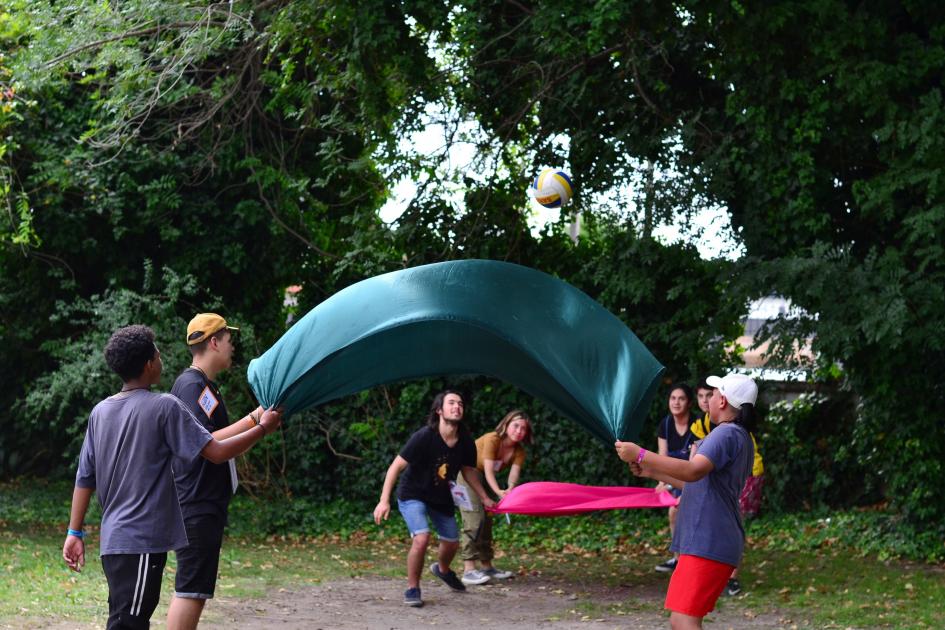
x=476 y=537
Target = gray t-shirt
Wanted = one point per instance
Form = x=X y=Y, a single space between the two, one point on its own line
x=126 y=457
x=709 y=524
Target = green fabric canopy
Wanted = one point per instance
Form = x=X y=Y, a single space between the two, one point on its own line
x=466 y=317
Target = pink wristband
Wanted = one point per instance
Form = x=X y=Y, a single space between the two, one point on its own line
x=640 y=455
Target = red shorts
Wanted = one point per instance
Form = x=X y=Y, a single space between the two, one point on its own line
x=696 y=585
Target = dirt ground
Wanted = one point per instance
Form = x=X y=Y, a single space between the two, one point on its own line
x=525 y=602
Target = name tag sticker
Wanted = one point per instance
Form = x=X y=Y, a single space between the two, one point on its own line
x=461 y=496
x=234 y=481
x=207 y=401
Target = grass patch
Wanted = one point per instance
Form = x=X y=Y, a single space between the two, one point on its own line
x=839 y=590
x=804 y=567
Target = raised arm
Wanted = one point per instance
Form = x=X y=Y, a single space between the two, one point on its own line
x=219 y=451
x=245 y=423
x=658 y=466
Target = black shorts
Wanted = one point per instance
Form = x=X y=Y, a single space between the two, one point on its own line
x=197 y=563
x=134 y=588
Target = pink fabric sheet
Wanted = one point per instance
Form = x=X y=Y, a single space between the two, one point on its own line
x=551 y=498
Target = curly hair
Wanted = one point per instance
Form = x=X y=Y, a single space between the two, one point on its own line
x=129 y=349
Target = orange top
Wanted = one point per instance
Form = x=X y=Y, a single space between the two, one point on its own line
x=487 y=447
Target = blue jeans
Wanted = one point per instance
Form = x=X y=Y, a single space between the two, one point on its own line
x=415 y=514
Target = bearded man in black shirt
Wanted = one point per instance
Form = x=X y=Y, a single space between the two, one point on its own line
x=430 y=461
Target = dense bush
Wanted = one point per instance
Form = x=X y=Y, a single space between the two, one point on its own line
x=812 y=458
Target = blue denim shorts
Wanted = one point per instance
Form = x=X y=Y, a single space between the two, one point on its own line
x=415 y=514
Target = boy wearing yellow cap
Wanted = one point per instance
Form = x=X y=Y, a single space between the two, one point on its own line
x=131 y=443
x=204 y=488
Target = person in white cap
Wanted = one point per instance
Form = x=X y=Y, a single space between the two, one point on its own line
x=709 y=536
x=749 y=501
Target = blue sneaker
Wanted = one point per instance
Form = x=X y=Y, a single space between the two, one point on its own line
x=412 y=597
x=449 y=578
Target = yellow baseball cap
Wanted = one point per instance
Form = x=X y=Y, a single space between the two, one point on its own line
x=203 y=325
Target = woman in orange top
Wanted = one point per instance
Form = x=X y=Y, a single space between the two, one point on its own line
x=495 y=451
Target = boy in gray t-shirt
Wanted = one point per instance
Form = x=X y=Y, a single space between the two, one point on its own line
x=126 y=457
x=709 y=533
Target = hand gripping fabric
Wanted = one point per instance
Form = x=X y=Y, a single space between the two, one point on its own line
x=466 y=317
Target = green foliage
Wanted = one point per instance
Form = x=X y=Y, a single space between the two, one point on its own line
x=17 y=226
x=819 y=144
x=861 y=533
x=28 y=503
x=55 y=409
x=813 y=457
x=248 y=146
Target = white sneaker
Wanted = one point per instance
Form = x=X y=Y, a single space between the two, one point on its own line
x=475 y=577
x=497 y=574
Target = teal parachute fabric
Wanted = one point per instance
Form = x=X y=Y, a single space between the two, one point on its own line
x=466 y=317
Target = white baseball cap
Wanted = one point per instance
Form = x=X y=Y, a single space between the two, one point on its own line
x=738 y=389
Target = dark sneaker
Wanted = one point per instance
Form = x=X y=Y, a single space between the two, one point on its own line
x=667 y=567
x=449 y=578
x=497 y=574
x=733 y=588
x=412 y=597
x=475 y=577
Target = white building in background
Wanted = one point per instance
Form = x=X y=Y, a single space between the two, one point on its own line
x=760 y=312
x=290 y=303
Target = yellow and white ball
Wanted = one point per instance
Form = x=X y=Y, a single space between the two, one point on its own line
x=552 y=188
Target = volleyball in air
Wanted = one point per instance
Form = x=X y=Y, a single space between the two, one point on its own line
x=552 y=188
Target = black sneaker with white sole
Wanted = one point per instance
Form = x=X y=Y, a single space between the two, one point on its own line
x=733 y=588
x=449 y=578
x=667 y=567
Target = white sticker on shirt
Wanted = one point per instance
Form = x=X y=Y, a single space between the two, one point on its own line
x=207 y=401
x=234 y=482
x=461 y=496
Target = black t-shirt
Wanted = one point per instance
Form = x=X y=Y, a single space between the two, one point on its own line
x=677 y=445
x=204 y=488
x=432 y=465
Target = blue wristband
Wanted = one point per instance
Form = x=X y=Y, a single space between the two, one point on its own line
x=78 y=533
